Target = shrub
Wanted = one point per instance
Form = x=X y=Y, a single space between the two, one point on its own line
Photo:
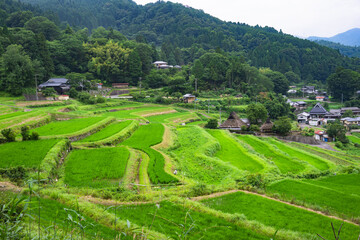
x=73 y=93
x=48 y=92
x=25 y=133
x=15 y=174
x=101 y=100
x=199 y=190
x=253 y=128
x=8 y=134
x=34 y=136
x=339 y=145
x=244 y=128
x=256 y=180
x=212 y=124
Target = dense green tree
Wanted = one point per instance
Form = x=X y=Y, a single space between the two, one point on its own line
x=281 y=84
x=292 y=77
x=18 y=19
x=16 y=70
x=256 y=113
x=337 y=130
x=343 y=84
x=212 y=123
x=43 y=25
x=282 y=126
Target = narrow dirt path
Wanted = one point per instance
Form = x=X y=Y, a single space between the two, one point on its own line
x=214 y=195
x=110 y=202
x=7 y=186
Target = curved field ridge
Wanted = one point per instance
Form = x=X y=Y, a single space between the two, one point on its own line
x=107 y=131
x=96 y=168
x=194 y=152
x=314 y=160
x=145 y=137
x=284 y=163
x=280 y=215
x=232 y=152
x=337 y=194
x=28 y=154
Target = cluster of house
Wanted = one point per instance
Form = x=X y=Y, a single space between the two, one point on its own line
x=320 y=96
x=320 y=116
x=164 y=65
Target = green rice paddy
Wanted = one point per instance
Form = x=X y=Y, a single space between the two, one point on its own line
x=107 y=131
x=232 y=152
x=28 y=154
x=96 y=168
x=280 y=215
x=68 y=126
x=354 y=139
x=284 y=163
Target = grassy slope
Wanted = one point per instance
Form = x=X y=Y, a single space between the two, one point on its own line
x=354 y=139
x=145 y=137
x=65 y=127
x=315 y=161
x=334 y=197
x=107 y=131
x=280 y=215
x=284 y=163
x=193 y=155
x=170 y=216
x=11 y=115
x=28 y=154
x=96 y=167
x=232 y=152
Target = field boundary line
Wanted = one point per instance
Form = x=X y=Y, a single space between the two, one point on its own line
x=219 y=194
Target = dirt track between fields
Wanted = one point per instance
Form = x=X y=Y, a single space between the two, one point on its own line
x=219 y=194
x=6 y=186
x=158 y=113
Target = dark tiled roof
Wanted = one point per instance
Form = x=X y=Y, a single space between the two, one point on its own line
x=318 y=109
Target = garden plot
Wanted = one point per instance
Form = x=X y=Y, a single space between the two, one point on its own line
x=174 y=220
x=194 y=157
x=337 y=194
x=281 y=216
x=96 y=168
x=232 y=152
x=284 y=163
x=67 y=127
x=28 y=154
x=107 y=131
x=145 y=137
x=313 y=160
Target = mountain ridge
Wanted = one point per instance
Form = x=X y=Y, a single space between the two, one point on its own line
x=348 y=38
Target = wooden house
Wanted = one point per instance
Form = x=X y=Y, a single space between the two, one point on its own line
x=120 y=85
x=189 y=98
x=267 y=126
x=233 y=123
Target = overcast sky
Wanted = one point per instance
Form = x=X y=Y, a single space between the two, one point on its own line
x=303 y=18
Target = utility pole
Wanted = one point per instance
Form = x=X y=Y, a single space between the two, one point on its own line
x=208 y=106
x=140 y=84
x=220 y=115
x=195 y=84
x=82 y=84
x=36 y=87
x=342 y=98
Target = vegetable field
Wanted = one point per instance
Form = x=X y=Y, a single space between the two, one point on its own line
x=96 y=168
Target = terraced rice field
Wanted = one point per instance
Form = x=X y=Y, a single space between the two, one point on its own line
x=337 y=194
x=11 y=115
x=354 y=139
x=107 y=131
x=137 y=112
x=172 y=219
x=96 y=168
x=194 y=157
x=66 y=127
x=283 y=162
x=281 y=216
x=145 y=137
x=315 y=161
x=28 y=154
x=232 y=152
x=164 y=117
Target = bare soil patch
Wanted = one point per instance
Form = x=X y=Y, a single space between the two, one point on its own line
x=27 y=103
x=158 y=113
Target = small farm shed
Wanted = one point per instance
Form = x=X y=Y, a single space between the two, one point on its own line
x=189 y=98
x=233 y=123
x=267 y=126
x=319 y=135
x=120 y=85
x=63 y=97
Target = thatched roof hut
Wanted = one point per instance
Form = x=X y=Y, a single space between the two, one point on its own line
x=267 y=126
x=233 y=122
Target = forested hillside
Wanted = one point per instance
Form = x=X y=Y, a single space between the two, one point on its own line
x=185 y=34
x=345 y=50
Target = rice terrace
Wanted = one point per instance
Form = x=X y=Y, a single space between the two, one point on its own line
x=128 y=170
x=154 y=120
